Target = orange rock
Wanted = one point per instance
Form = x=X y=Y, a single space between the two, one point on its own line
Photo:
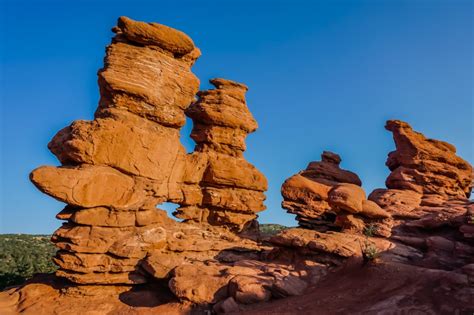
x=88 y=186
x=348 y=197
x=425 y=165
x=224 y=106
x=249 y=289
x=372 y=210
x=109 y=141
x=341 y=245
x=90 y=263
x=304 y=189
x=396 y=202
x=128 y=160
x=350 y=223
x=155 y=34
x=102 y=216
x=228 y=171
x=306 y=193
x=102 y=278
x=144 y=82
x=200 y=283
x=234 y=199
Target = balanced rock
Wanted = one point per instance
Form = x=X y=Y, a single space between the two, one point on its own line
x=306 y=193
x=325 y=197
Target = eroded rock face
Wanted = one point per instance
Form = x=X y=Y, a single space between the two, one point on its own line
x=325 y=197
x=427 y=197
x=122 y=255
x=232 y=188
x=118 y=167
x=426 y=166
x=423 y=220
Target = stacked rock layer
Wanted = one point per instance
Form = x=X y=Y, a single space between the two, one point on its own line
x=325 y=197
x=427 y=195
x=118 y=167
x=232 y=188
x=426 y=166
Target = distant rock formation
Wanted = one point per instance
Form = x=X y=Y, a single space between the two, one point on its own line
x=425 y=165
x=325 y=197
x=422 y=220
x=427 y=195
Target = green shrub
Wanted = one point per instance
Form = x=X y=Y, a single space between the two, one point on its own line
x=22 y=255
x=370 y=252
x=370 y=230
x=271 y=229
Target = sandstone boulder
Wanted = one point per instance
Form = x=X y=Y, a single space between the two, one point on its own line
x=306 y=193
x=347 y=197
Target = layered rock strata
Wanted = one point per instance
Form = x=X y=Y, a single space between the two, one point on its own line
x=427 y=196
x=426 y=166
x=118 y=167
x=325 y=197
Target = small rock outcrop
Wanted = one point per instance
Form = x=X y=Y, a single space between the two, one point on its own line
x=325 y=197
x=427 y=195
x=425 y=165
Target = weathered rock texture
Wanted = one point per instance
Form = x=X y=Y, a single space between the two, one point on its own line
x=325 y=197
x=425 y=165
x=231 y=188
x=422 y=224
x=427 y=197
x=119 y=254
x=118 y=167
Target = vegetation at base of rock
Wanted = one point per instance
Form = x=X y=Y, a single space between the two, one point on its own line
x=370 y=252
x=272 y=229
x=370 y=230
x=22 y=255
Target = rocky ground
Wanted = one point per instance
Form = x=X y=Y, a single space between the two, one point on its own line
x=407 y=248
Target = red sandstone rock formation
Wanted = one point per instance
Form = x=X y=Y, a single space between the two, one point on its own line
x=119 y=254
x=427 y=197
x=232 y=188
x=129 y=159
x=424 y=219
x=116 y=248
x=426 y=166
x=325 y=197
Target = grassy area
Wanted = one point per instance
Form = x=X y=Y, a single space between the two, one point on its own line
x=22 y=255
x=271 y=229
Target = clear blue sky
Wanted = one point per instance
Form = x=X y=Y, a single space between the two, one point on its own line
x=323 y=75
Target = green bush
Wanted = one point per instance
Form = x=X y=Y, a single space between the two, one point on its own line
x=22 y=255
x=271 y=229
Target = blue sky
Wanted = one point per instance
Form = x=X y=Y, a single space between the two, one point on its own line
x=323 y=75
